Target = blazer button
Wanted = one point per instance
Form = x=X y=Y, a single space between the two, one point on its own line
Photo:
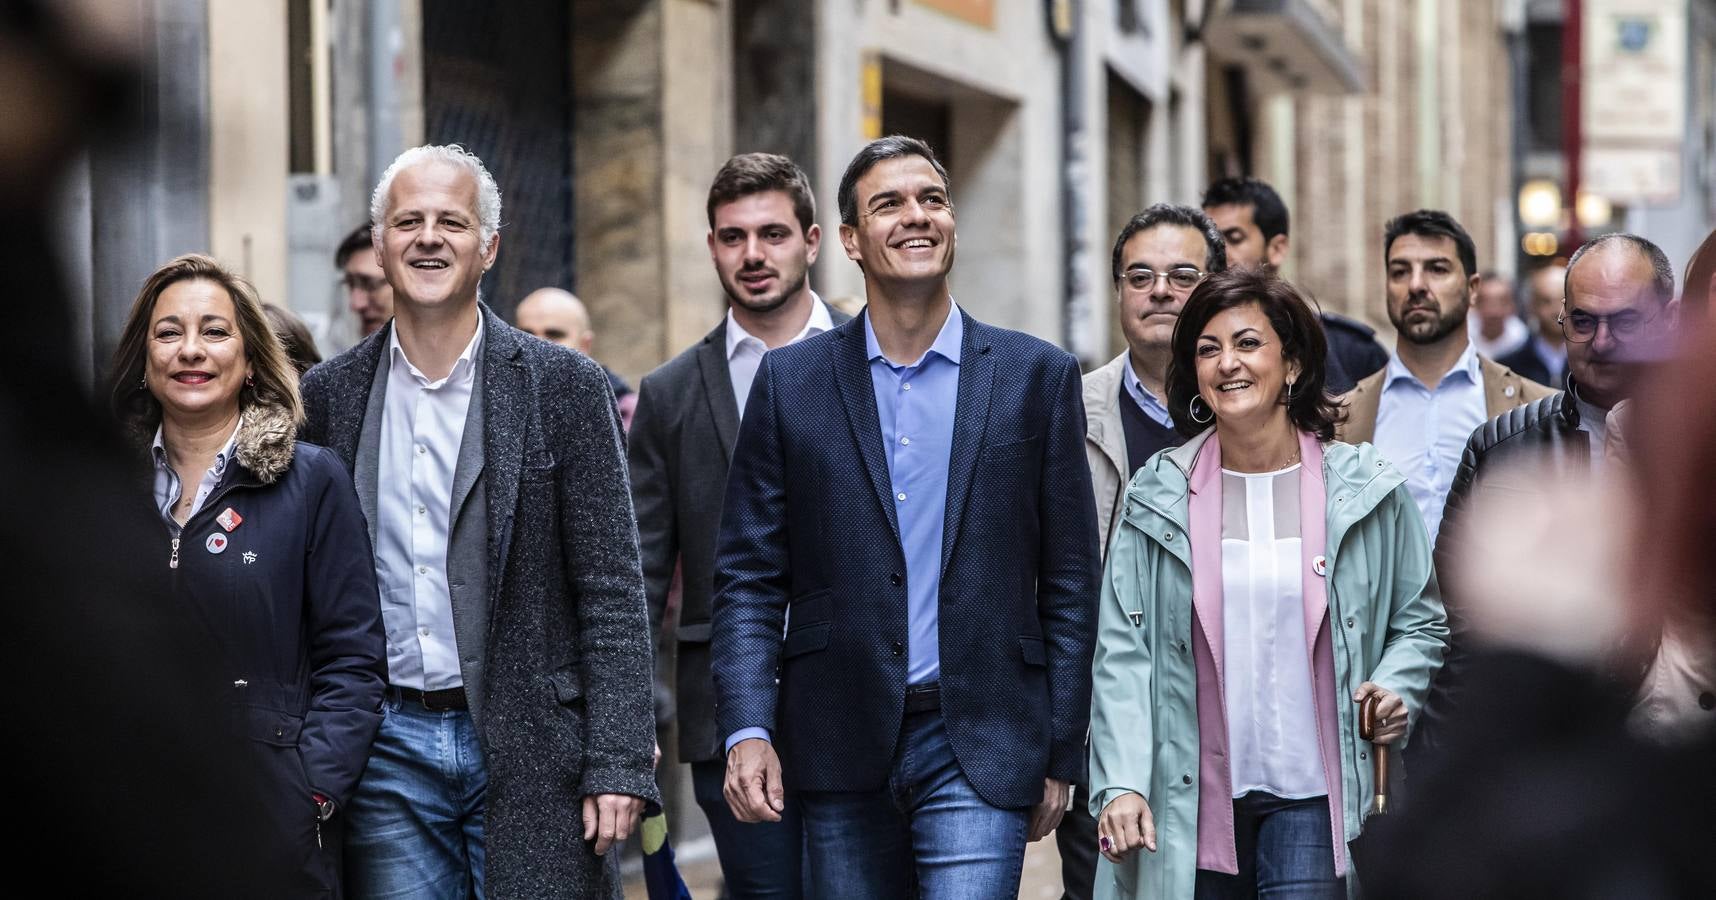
x=895 y=579
x=1349 y=621
x=1185 y=779
x=899 y=648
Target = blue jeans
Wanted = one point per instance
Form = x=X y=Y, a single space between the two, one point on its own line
x=927 y=834
x=1285 y=851
x=415 y=824
x=761 y=860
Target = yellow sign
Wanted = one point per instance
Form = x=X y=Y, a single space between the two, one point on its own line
x=978 y=12
x=870 y=83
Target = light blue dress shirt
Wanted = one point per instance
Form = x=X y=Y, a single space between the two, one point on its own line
x=168 y=491
x=915 y=404
x=1146 y=401
x=1423 y=432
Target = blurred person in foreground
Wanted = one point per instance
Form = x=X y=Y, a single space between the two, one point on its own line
x=1265 y=580
x=517 y=738
x=1562 y=773
x=1253 y=220
x=1494 y=325
x=130 y=782
x=1618 y=316
x=294 y=336
x=263 y=537
x=1159 y=256
x=556 y=316
x=763 y=239
x=368 y=295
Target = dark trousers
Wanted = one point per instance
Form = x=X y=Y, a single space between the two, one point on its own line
x=760 y=860
x=1075 y=837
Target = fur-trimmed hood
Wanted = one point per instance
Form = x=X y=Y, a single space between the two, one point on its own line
x=266 y=437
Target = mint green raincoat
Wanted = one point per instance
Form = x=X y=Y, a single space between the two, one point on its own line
x=1388 y=627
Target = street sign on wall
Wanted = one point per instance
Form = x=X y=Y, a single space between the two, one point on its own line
x=1633 y=88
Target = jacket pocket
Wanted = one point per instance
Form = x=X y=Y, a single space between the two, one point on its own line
x=568 y=688
x=1011 y=450
x=807 y=638
x=271 y=726
x=1031 y=651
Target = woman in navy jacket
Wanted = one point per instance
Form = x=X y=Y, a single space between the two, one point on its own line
x=265 y=541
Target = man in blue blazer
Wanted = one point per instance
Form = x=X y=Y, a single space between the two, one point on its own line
x=909 y=505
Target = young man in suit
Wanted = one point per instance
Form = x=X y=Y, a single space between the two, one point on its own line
x=763 y=239
x=909 y=503
x=516 y=739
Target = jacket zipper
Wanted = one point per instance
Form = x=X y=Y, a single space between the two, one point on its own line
x=173 y=561
x=209 y=503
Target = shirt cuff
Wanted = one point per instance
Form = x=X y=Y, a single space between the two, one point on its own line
x=745 y=734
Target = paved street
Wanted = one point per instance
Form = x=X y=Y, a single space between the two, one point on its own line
x=1042 y=878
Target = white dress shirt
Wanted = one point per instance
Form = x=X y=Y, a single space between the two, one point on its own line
x=1424 y=432
x=168 y=490
x=1271 y=718
x=422 y=425
x=745 y=350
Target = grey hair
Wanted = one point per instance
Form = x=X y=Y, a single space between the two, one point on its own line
x=1663 y=274
x=488 y=193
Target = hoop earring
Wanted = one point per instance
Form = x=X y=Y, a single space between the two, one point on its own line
x=1192 y=410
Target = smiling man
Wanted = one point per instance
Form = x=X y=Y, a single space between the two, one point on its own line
x=763 y=239
x=516 y=739
x=908 y=504
x=1159 y=257
x=1436 y=389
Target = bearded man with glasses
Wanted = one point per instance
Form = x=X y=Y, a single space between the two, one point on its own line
x=1617 y=313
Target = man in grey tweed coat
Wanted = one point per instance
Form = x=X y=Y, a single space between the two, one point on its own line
x=517 y=736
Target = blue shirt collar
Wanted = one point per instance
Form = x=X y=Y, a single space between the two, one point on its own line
x=946 y=345
x=1467 y=364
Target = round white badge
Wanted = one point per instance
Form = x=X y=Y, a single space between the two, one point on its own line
x=216 y=543
x=1320 y=565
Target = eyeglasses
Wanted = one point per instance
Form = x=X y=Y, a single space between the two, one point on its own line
x=366 y=283
x=1141 y=280
x=1581 y=327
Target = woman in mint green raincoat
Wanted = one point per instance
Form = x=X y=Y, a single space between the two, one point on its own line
x=1263 y=581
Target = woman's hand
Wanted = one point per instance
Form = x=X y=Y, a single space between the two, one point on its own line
x=1126 y=824
x=1390 y=713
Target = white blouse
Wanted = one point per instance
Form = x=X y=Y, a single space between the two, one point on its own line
x=1271 y=720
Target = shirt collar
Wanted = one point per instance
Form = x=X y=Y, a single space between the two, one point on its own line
x=1137 y=389
x=1467 y=364
x=158 y=450
x=462 y=367
x=947 y=341
x=819 y=322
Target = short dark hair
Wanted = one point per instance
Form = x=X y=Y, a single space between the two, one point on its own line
x=754 y=173
x=1295 y=322
x=1215 y=249
x=1267 y=210
x=294 y=335
x=357 y=240
x=891 y=147
x=1663 y=280
x=1432 y=223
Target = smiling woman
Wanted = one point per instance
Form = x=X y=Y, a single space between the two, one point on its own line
x=207 y=395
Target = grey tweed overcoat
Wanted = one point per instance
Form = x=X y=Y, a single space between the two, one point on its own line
x=565 y=705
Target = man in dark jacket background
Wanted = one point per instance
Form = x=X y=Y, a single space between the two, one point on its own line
x=490 y=469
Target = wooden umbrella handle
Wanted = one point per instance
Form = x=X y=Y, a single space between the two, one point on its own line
x=1378 y=752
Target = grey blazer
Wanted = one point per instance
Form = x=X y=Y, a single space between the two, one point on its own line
x=548 y=604
x=679 y=448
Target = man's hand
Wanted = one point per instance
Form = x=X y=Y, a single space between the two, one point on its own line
x=753 y=785
x=1125 y=825
x=610 y=818
x=1390 y=713
x=1046 y=815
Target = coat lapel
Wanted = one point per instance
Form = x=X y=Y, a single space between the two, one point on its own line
x=718 y=389
x=1205 y=515
x=970 y=417
x=858 y=396
x=348 y=397
x=1313 y=533
x=507 y=426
